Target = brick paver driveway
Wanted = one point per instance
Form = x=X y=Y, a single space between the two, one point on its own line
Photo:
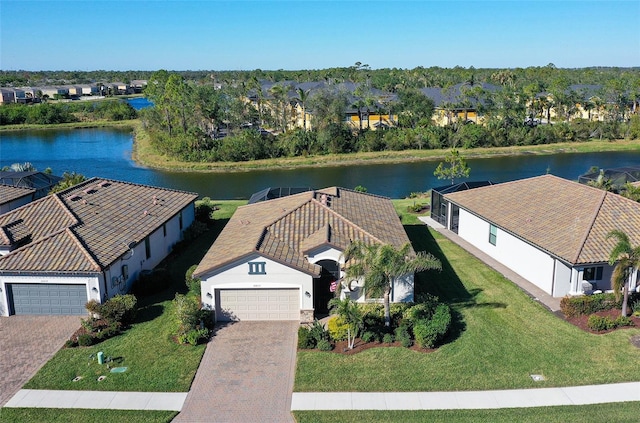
x=26 y=344
x=246 y=375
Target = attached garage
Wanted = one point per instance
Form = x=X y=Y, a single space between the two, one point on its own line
x=47 y=299
x=257 y=304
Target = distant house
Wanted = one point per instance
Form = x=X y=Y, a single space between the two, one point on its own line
x=14 y=197
x=549 y=230
x=7 y=96
x=39 y=181
x=276 y=259
x=89 y=242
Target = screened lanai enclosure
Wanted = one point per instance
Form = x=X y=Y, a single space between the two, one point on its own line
x=615 y=178
x=440 y=207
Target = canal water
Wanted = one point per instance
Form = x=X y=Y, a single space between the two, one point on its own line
x=106 y=152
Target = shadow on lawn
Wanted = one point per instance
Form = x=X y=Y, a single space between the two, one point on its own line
x=179 y=261
x=446 y=284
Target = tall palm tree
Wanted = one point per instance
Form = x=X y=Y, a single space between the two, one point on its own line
x=628 y=261
x=381 y=265
x=303 y=96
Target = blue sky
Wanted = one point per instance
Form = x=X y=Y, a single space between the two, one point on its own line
x=224 y=35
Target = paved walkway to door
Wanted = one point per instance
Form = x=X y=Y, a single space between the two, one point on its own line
x=246 y=375
x=26 y=344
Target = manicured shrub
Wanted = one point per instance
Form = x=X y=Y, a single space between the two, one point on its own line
x=369 y=336
x=601 y=323
x=193 y=336
x=121 y=308
x=85 y=340
x=338 y=329
x=403 y=335
x=305 y=340
x=623 y=321
x=191 y=323
x=428 y=333
x=324 y=345
x=388 y=338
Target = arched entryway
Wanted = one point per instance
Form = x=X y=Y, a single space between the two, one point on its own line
x=322 y=287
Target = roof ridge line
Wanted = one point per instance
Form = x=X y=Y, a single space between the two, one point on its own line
x=83 y=248
x=590 y=226
x=66 y=209
x=349 y=222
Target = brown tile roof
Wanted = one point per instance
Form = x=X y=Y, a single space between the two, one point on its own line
x=566 y=219
x=86 y=227
x=10 y=193
x=286 y=228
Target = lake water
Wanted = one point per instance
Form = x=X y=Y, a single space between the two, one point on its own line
x=107 y=153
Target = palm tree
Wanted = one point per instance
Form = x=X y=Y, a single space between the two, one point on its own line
x=303 y=96
x=628 y=261
x=350 y=314
x=381 y=265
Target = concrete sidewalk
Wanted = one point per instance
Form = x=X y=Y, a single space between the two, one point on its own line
x=518 y=398
x=42 y=398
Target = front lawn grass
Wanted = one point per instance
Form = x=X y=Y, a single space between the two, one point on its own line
x=63 y=415
x=155 y=362
x=500 y=337
x=620 y=413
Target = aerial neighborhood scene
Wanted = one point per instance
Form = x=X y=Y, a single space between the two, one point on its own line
x=280 y=211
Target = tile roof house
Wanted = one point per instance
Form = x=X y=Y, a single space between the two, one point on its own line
x=13 y=197
x=41 y=182
x=276 y=259
x=87 y=242
x=549 y=230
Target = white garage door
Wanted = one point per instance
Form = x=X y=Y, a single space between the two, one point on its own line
x=257 y=304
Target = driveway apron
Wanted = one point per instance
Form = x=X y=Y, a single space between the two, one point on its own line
x=246 y=375
x=26 y=344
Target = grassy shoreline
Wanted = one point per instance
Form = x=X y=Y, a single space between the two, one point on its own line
x=145 y=155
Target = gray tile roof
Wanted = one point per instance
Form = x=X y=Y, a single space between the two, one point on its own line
x=10 y=193
x=86 y=227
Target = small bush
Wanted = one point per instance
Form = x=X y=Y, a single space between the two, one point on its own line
x=338 y=329
x=403 y=335
x=623 y=321
x=318 y=332
x=428 y=333
x=121 y=308
x=85 y=340
x=305 y=340
x=324 y=345
x=602 y=323
x=388 y=338
x=416 y=208
x=190 y=320
x=194 y=336
x=369 y=336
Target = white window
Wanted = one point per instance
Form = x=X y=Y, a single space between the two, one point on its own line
x=257 y=268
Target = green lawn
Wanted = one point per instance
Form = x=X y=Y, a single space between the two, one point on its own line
x=619 y=413
x=155 y=363
x=58 y=415
x=501 y=336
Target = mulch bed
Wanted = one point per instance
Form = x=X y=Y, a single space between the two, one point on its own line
x=581 y=321
x=340 y=347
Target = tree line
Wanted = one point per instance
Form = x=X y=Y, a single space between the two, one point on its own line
x=52 y=113
x=195 y=121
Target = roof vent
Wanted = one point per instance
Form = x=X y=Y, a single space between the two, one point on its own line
x=104 y=184
x=74 y=197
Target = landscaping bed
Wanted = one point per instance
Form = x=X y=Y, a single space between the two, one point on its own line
x=582 y=321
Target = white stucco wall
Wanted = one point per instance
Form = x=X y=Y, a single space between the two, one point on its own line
x=562 y=279
x=237 y=276
x=528 y=261
x=89 y=281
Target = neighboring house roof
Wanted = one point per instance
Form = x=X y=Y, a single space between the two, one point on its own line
x=40 y=181
x=564 y=218
x=86 y=227
x=10 y=193
x=285 y=229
